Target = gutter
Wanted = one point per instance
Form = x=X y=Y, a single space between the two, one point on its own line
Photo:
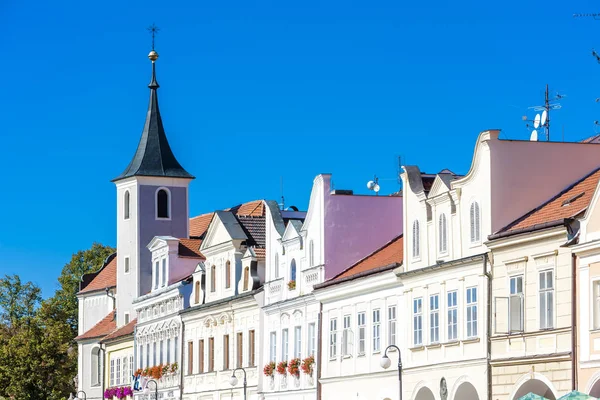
x=357 y=276
x=573 y=322
x=488 y=341
x=533 y=228
x=181 y=349
x=319 y=350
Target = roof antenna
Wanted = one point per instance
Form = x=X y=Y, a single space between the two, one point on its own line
x=374 y=185
x=543 y=120
x=282 y=204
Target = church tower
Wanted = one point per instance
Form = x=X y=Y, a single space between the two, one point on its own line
x=152 y=200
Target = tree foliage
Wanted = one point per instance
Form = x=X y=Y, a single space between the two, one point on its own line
x=38 y=357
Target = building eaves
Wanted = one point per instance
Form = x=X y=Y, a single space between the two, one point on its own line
x=216 y=303
x=356 y=276
x=442 y=265
x=529 y=229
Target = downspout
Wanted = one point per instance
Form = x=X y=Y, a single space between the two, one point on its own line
x=319 y=349
x=181 y=361
x=103 y=350
x=574 y=323
x=488 y=275
x=112 y=296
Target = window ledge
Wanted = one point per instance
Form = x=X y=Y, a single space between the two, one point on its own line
x=361 y=355
x=347 y=356
x=377 y=352
x=417 y=348
x=595 y=330
x=332 y=358
x=434 y=346
x=452 y=343
x=471 y=340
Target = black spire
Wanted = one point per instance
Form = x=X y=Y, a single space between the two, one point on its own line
x=154 y=156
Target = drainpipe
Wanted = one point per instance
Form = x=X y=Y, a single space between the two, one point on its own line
x=319 y=349
x=103 y=350
x=488 y=275
x=112 y=296
x=181 y=361
x=573 y=323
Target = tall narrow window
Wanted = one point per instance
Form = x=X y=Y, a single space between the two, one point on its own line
x=434 y=318
x=125 y=375
x=311 y=253
x=376 y=331
x=156 y=274
x=251 y=348
x=118 y=372
x=285 y=343
x=131 y=370
x=240 y=349
x=443 y=234
x=211 y=354
x=154 y=354
x=126 y=203
x=416 y=240
x=197 y=292
x=391 y=325
x=347 y=336
x=293 y=270
x=452 y=316
x=333 y=338
x=475 y=223
x=546 y=299
x=225 y=351
x=311 y=339
x=515 y=306
x=201 y=356
x=362 y=333
x=175 y=344
x=95 y=366
x=471 y=312
x=297 y=342
x=126 y=317
x=164 y=272
x=273 y=347
x=168 y=351
x=162 y=204
x=227 y=275
x=160 y=350
x=276 y=267
x=246 y=277
x=141 y=359
x=112 y=372
x=596 y=303
x=126 y=267
x=418 y=322
x=148 y=355
x=213 y=279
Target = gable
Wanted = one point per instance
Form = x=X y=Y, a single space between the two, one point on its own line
x=223 y=228
x=439 y=187
x=292 y=231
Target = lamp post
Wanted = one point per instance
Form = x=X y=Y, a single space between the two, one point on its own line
x=147 y=389
x=386 y=362
x=233 y=381
x=77 y=396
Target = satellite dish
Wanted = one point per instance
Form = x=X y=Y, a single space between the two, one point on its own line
x=533 y=136
x=376 y=188
x=536 y=121
x=370 y=185
x=544 y=117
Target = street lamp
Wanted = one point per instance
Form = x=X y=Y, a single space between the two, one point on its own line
x=233 y=381
x=385 y=363
x=80 y=398
x=147 y=388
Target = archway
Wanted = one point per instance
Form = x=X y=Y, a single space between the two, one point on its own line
x=595 y=389
x=534 y=386
x=424 y=394
x=466 y=391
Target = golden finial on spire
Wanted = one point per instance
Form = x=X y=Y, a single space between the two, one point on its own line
x=153 y=55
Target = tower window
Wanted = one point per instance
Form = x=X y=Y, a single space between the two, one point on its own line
x=246 y=277
x=162 y=204
x=126 y=205
x=293 y=270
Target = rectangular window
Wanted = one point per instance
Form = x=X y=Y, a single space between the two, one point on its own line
x=175 y=344
x=126 y=268
x=376 y=331
x=125 y=370
x=225 y=351
x=148 y=355
x=211 y=354
x=201 y=356
x=118 y=373
x=240 y=349
x=333 y=338
x=273 y=347
x=168 y=351
x=596 y=305
x=156 y=272
x=227 y=275
x=311 y=339
x=515 y=305
x=246 y=277
x=297 y=342
x=452 y=315
x=160 y=350
x=434 y=318
x=213 y=279
x=252 y=349
x=164 y=272
x=126 y=317
x=391 y=325
x=418 y=322
x=190 y=361
x=471 y=312
x=284 y=345
x=546 y=299
x=347 y=336
x=131 y=370
x=112 y=372
x=141 y=364
x=154 y=354
x=362 y=332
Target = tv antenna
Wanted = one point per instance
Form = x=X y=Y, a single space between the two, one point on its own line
x=542 y=120
x=374 y=185
x=595 y=16
x=282 y=204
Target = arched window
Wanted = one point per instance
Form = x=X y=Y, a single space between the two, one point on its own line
x=213 y=279
x=197 y=292
x=443 y=234
x=416 y=239
x=246 y=277
x=227 y=275
x=311 y=253
x=126 y=205
x=475 y=222
x=293 y=270
x=162 y=204
x=96 y=367
x=276 y=267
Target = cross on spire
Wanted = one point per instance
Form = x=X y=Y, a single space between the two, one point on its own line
x=153 y=29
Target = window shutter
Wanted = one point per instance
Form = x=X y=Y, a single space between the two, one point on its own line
x=472 y=220
x=516 y=313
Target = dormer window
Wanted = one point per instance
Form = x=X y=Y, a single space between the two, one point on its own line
x=156 y=272
x=311 y=253
x=246 y=277
x=163 y=204
x=475 y=223
x=213 y=279
x=416 y=239
x=197 y=292
x=164 y=272
x=293 y=270
x=443 y=234
x=126 y=202
x=227 y=275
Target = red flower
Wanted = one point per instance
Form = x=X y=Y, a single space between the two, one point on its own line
x=269 y=369
x=294 y=367
x=282 y=368
x=307 y=365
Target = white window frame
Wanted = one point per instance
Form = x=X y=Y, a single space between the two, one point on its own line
x=452 y=315
x=333 y=338
x=546 y=296
x=417 y=321
x=347 y=336
x=392 y=325
x=125 y=370
x=164 y=272
x=156 y=275
x=169 y=208
x=416 y=240
x=475 y=222
x=311 y=253
x=443 y=234
x=112 y=372
x=361 y=319
x=285 y=344
x=96 y=370
x=297 y=342
x=595 y=304
x=273 y=346
x=126 y=205
x=118 y=372
x=521 y=296
x=311 y=339
x=376 y=330
x=131 y=370
x=471 y=312
x=434 y=318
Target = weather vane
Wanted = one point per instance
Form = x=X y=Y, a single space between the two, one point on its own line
x=153 y=29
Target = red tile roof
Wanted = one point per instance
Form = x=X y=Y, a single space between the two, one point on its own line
x=107 y=277
x=123 y=331
x=254 y=208
x=190 y=248
x=567 y=204
x=101 y=329
x=199 y=224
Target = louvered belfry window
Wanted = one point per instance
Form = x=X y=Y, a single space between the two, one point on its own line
x=475 y=223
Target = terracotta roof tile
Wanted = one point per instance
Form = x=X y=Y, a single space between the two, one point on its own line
x=101 y=329
x=190 y=248
x=592 y=139
x=123 y=331
x=199 y=224
x=260 y=253
x=567 y=204
x=391 y=253
x=254 y=208
x=106 y=277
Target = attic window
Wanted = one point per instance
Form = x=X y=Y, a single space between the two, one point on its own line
x=429 y=214
x=572 y=199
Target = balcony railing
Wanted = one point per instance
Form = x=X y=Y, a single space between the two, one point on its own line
x=278 y=383
x=312 y=276
x=275 y=289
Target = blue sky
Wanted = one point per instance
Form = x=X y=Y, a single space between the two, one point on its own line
x=252 y=91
